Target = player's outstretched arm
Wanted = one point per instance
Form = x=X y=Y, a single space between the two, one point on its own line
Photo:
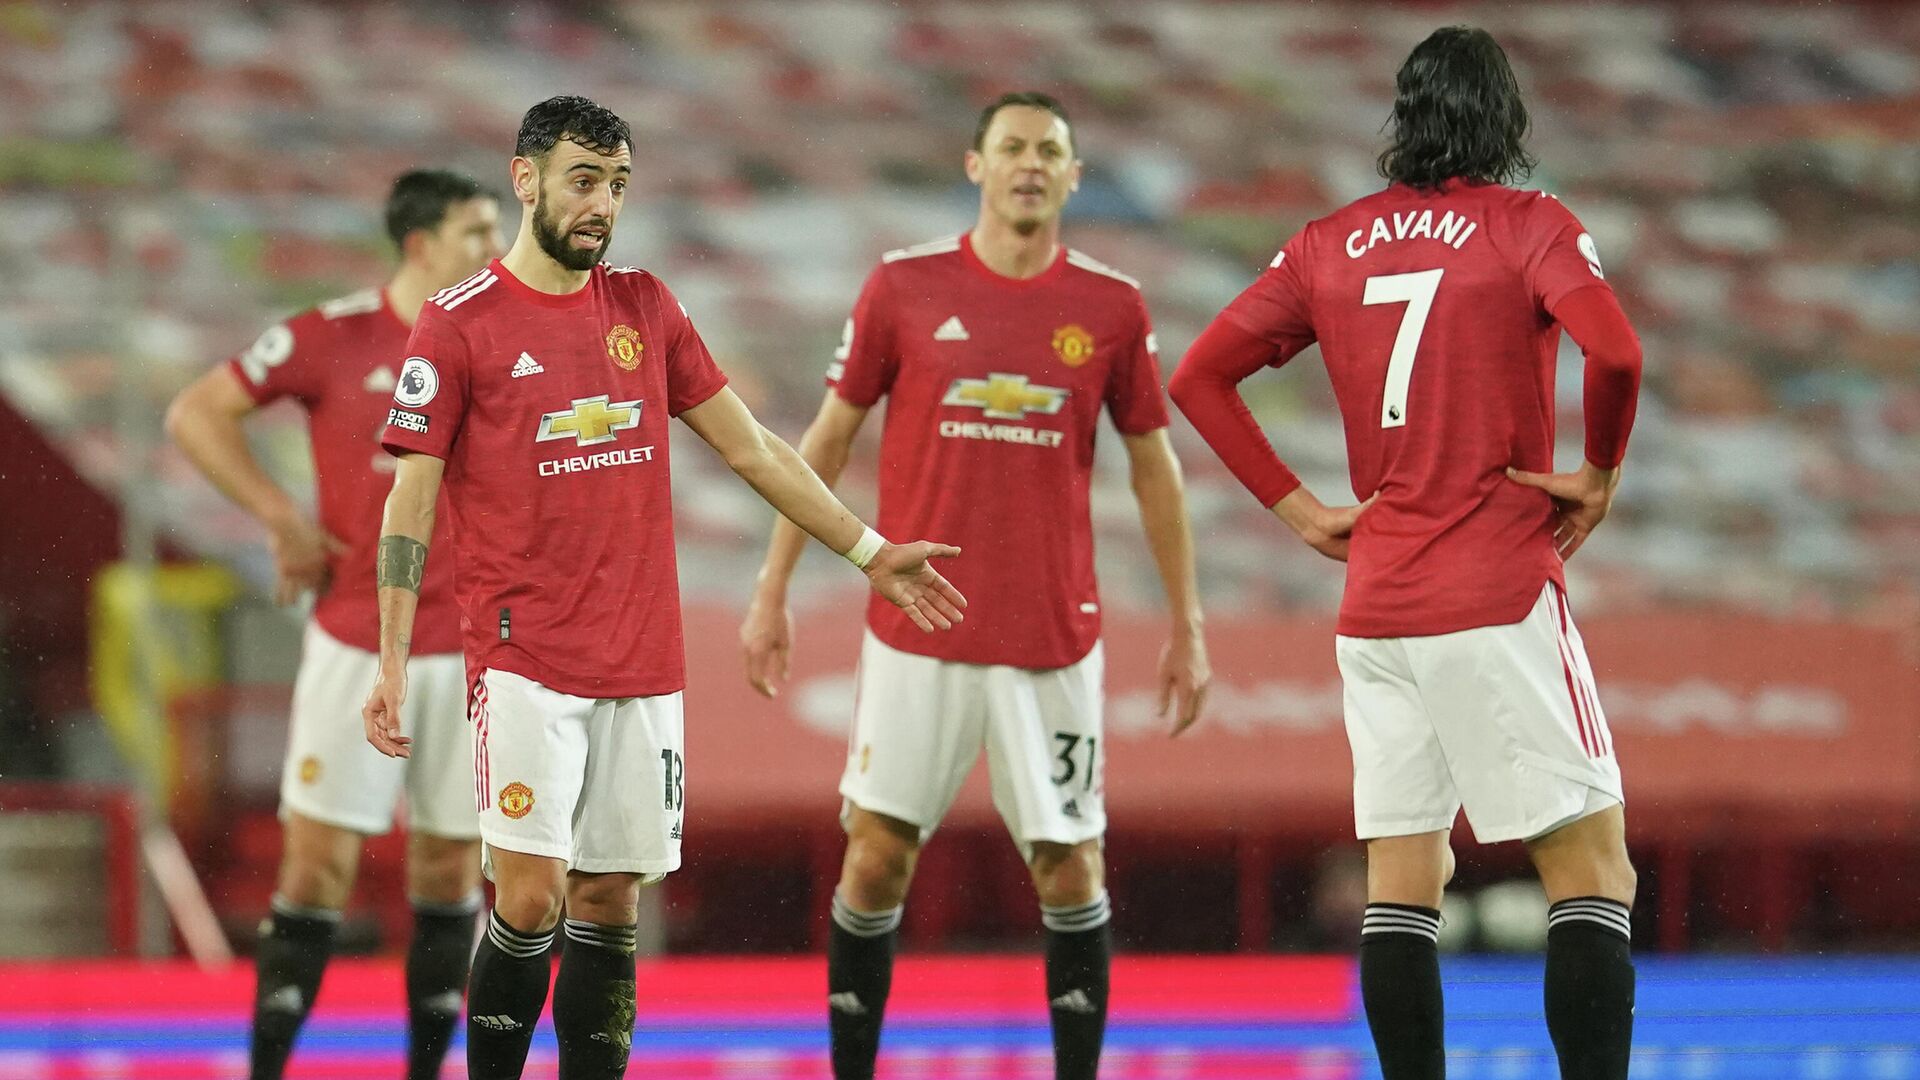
x=1157 y=485
x=400 y=564
x=899 y=572
x=766 y=634
x=205 y=420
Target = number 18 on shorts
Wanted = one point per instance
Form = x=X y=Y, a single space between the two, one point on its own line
x=597 y=782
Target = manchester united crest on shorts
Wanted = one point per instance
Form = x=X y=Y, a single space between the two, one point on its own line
x=310 y=769
x=623 y=345
x=516 y=799
x=1073 y=345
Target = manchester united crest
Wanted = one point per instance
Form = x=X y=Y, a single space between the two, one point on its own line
x=1073 y=345
x=516 y=799
x=310 y=769
x=623 y=345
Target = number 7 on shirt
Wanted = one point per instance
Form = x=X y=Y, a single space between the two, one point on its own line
x=1416 y=291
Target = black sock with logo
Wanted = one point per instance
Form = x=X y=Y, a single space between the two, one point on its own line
x=437 y=961
x=505 y=994
x=859 y=977
x=593 y=1001
x=1079 y=959
x=295 y=945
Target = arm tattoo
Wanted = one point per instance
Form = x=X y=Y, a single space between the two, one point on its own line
x=400 y=563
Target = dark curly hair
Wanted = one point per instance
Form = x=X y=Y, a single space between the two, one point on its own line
x=1032 y=99
x=575 y=119
x=421 y=198
x=1457 y=113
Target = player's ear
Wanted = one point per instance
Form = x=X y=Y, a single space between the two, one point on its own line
x=976 y=167
x=1073 y=175
x=526 y=180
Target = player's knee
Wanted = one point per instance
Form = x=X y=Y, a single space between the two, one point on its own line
x=876 y=871
x=316 y=880
x=604 y=899
x=442 y=870
x=531 y=905
x=1067 y=874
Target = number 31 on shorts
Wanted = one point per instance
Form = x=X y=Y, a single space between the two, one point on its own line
x=1416 y=291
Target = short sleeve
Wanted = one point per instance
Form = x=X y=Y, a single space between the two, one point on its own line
x=279 y=363
x=430 y=396
x=1277 y=307
x=1561 y=256
x=866 y=362
x=1134 y=399
x=692 y=376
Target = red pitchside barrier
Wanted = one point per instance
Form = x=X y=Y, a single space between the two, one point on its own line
x=1718 y=721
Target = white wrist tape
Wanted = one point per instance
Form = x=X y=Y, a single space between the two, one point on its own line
x=865 y=548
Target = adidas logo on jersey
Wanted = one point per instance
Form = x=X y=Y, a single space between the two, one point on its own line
x=951 y=330
x=1071 y=808
x=1073 y=1001
x=675 y=834
x=379 y=381
x=497 y=1023
x=847 y=1002
x=526 y=366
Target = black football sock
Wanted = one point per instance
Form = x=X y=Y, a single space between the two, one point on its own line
x=505 y=994
x=437 y=961
x=1079 y=958
x=1590 y=987
x=593 y=1001
x=1400 y=984
x=295 y=944
x=859 y=976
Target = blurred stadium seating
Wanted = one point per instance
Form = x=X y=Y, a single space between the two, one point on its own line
x=175 y=175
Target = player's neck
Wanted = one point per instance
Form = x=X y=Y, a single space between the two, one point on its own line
x=537 y=270
x=407 y=291
x=1010 y=253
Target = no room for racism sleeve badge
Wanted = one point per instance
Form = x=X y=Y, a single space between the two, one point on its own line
x=623 y=345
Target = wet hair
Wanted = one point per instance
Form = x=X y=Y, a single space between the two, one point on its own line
x=574 y=119
x=421 y=198
x=1457 y=113
x=1032 y=99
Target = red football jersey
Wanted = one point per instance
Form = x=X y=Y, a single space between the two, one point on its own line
x=994 y=388
x=1431 y=310
x=339 y=361
x=551 y=414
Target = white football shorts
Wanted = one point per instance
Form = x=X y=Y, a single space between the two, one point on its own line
x=919 y=724
x=1503 y=720
x=597 y=782
x=334 y=776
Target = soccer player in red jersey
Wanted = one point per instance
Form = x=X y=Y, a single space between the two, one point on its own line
x=997 y=351
x=1438 y=305
x=540 y=390
x=339 y=361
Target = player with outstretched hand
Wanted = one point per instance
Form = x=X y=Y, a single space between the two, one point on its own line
x=1438 y=305
x=539 y=391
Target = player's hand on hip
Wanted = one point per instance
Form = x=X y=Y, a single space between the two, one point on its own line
x=1580 y=501
x=300 y=549
x=381 y=714
x=766 y=637
x=901 y=573
x=1326 y=529
x=1185 y=676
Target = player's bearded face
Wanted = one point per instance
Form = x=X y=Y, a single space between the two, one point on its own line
x=576 y=242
